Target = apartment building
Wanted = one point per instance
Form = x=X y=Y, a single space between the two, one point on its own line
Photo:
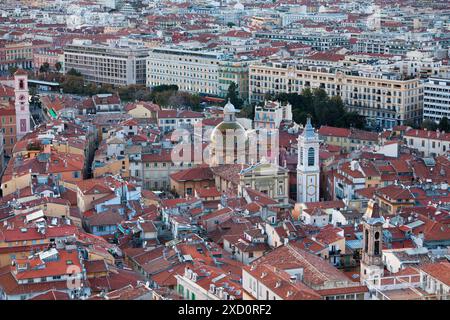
x=170 y=119
x=157 y=168
x=19 y=54
x=270 y=115
x=430 y=143
x=436 y=99
x=116 y=63
x=318 y=41
x=347 y=139
x=198 y=71
x=204 y=282
x=380 y=43
x=385 y=99
x=289 y=18
x=192 y=71
x=50 y=56
x=234 y=71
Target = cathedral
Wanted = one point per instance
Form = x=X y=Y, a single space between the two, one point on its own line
x=231 y=144
x=240 y=160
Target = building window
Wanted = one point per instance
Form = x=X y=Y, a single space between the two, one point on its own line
x=377 y=244
x=366 y=241
x=311 y=157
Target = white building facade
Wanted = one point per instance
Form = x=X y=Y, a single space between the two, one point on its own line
x=308 y=168
x=436 y=99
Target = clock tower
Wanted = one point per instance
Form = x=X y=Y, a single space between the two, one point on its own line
x=308 y=169
x=22 y=105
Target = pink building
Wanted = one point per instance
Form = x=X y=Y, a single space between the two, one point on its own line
x=51 y=56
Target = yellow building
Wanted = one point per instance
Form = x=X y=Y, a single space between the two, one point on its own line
x=113 y=166
x=393 y=198
x=386 y=99
x=12 y=183
x=142 y=110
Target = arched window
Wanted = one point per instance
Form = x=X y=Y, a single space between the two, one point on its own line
x=311 y=157
x=376 y=250
x=366 y=241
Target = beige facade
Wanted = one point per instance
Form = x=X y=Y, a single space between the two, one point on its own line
x=197 y=71
x=84 y=201
x=267 y=178
x=191 y=71
x=141 y=112
x=385 y=99
x=113 y=166
x=14 y=183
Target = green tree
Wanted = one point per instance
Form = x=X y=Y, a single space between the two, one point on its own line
x=323 y=110
x=444 y=124
x=12 y=70
x=233 y=96
x=412 y=124
x=45 y=67
x=73 y=84
x=429 y=125
x=58 y=66
x=73 y=72
x=247 y=111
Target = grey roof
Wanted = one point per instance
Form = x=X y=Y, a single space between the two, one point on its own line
x=354 y=244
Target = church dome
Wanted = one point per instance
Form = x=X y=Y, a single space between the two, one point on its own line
x=229 y=122
x=229 y=108
x=221 y=130
x=228 y=130
x=239 y=6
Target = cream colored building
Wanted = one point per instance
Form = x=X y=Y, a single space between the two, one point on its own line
x=114 y=63
x=197 y=71
x=385 y=99
x=192 y=71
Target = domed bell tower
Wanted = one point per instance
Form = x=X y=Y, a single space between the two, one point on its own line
x=372 y=266
x=308 y=167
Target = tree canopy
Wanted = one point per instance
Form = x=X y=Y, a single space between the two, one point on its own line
x=429 y=125
x=233 y=96
x=323 y=109
x=444 y=124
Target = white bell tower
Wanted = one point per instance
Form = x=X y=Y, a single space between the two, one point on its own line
x=308 y=168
